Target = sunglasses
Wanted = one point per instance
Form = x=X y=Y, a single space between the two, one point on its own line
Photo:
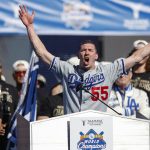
x=18 y=73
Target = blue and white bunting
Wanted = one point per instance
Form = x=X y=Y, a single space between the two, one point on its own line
x=27 y=102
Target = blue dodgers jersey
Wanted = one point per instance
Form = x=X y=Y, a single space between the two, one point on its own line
x=98 y=81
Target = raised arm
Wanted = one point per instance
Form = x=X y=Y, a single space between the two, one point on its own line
x=137 y=56
x=39 y=47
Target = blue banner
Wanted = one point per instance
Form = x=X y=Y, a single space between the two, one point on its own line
x=27 y=102
x=79 y=17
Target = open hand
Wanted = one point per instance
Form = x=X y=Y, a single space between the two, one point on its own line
x=25 y=17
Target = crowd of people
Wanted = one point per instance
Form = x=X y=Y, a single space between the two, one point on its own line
x=82 y=82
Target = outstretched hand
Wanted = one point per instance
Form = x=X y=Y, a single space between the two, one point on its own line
x=25 y=17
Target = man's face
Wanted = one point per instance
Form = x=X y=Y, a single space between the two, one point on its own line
x=19 y=74
x=124 y=80
x=87 y=56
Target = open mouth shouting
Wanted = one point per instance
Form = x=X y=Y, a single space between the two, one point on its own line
x=86 y=60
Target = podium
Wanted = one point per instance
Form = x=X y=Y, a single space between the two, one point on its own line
x=54 y=133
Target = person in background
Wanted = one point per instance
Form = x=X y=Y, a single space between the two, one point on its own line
x=19 y=70
x=41 y=90
x=141 y=71
x=52 y=106
x=128 y=100
x=20 y=67
x=41 y=81
x=8 y=104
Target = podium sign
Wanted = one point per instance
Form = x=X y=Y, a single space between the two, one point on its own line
x=91 y=133
x=105 y=131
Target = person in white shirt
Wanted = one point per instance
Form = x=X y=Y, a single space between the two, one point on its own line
x=127 y=100
x=141 y=71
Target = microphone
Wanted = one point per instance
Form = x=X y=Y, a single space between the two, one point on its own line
x=80 y=87
x=79 y=84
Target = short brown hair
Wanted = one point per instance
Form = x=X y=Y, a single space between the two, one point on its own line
x=88 y=42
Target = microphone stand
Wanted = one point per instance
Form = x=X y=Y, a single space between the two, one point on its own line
x=82 y=88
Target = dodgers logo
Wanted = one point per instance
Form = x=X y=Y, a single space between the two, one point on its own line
x=91 y=80
x=91 y=141
x=131 y=107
